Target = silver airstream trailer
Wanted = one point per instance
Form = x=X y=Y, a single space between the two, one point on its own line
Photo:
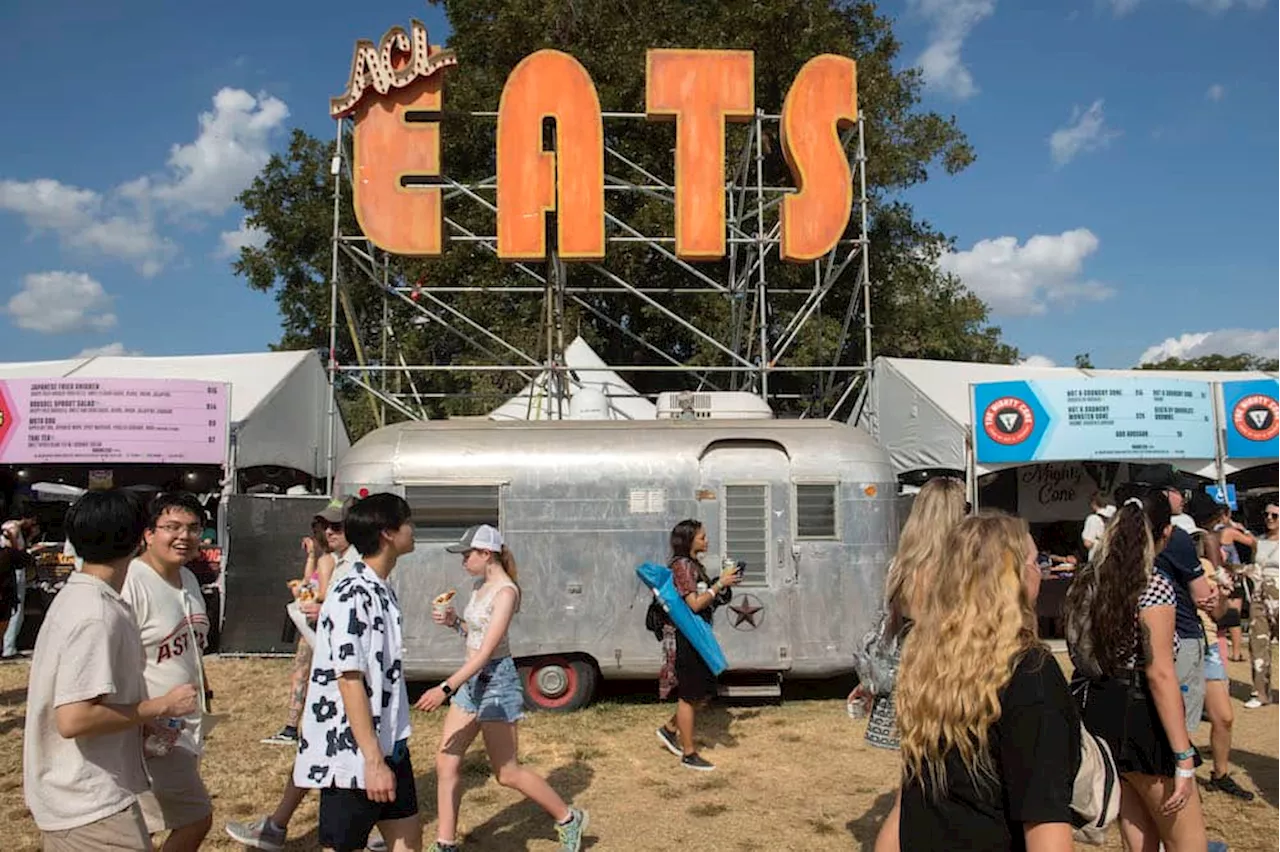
x=809 y=506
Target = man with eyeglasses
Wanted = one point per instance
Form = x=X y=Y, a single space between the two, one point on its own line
x=1264 y=607
x=166 y=601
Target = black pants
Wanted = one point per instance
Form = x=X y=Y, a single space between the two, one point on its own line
x=348 y=816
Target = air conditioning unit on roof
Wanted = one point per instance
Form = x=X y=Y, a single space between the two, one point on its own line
x=712 y=405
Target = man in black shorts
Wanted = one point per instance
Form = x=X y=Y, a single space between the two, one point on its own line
x=354 y=745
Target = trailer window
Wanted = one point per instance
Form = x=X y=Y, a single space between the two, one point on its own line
x=746 y=528
x=444 y=512
x=816 y=511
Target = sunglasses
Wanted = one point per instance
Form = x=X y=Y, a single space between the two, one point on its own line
x=1271 y=516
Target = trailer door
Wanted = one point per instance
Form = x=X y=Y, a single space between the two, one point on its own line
x=746 y=508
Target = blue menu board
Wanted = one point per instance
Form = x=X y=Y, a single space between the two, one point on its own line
x=1092 y=419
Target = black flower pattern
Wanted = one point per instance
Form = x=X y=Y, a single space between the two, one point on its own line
x=323 y=677
x=318 y=773
x=324 y=709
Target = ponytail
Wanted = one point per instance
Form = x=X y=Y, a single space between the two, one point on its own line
x=508 y=561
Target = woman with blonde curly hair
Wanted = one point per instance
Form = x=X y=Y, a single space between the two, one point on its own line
x=990 y=736
x=938 y=507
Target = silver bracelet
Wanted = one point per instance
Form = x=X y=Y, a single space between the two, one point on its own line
x=1185 y=773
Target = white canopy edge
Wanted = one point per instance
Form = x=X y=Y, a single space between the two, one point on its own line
x=919 y=409
x=278 y=399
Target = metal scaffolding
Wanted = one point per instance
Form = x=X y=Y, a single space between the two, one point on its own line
x=761 y=342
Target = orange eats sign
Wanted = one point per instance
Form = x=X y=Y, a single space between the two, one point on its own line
x=396 y=148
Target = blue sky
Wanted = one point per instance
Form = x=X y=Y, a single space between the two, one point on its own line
x=1123 y=202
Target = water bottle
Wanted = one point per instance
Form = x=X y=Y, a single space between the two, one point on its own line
x=157 y=744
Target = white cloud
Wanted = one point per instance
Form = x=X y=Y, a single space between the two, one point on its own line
x=111 y=349
x=1086 y=131
x=1120 y=8
x=1213 y=7
x=246 y=236
x=950 y=24
x=233 y=146
x=1024 y=279
x=204 y=178
x=86 y=222
x=1227 y=341
x=60 y=302
x=1219 y=6
x=1037 y=361
x=1216 y=92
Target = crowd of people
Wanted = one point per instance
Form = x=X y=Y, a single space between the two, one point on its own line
x=990 y=730
x=955 y=676
x=119 y=706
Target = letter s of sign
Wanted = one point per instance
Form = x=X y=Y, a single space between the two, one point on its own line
x=821 y=103
x=550 y=84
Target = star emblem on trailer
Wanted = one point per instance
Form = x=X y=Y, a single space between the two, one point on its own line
x=748 y=613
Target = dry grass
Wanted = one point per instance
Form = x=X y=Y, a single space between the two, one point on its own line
x=793 y=776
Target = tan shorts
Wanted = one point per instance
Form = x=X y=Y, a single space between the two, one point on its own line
x=122 y=832
x=177 y=796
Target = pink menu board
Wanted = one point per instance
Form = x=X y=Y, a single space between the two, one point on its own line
x=127 y=421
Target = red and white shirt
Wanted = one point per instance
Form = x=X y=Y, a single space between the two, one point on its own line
x=175 y=631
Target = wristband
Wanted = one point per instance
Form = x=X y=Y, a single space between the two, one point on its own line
x=446 y=689
x=1185 y=755
x=1185 y=773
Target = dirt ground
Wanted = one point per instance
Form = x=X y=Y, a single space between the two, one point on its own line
x=790 y=776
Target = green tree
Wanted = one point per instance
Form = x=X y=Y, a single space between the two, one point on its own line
x=917 y=310
x=1216 y=363
x=1083 y=361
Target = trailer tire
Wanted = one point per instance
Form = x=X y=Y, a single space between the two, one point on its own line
x=557 y=684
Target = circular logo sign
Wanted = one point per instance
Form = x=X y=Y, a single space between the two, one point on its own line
x=1257 y=417
x=1008 y=421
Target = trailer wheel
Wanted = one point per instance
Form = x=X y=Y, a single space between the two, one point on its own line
x=557 y=684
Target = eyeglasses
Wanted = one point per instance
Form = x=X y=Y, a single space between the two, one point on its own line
x=179 y=529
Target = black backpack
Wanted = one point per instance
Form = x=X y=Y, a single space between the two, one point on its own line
x=656 y=619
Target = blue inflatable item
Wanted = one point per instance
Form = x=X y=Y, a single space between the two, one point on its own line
x=659 y=580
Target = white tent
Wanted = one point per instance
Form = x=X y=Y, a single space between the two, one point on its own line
x=278 y=399
x=542 y=400
x=919 y=410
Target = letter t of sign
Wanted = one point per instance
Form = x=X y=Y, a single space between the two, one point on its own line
x=533 y=181
x=700 y=89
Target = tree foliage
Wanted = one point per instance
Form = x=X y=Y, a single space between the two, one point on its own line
x=1216 y=363
x=917 y=310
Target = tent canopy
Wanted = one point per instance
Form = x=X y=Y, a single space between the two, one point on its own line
x=542 y=400
x=919 y=410
x=278 y=399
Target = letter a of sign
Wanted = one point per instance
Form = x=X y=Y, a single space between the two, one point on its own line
x=533 y=181
x=822 y=101
x=700 y=89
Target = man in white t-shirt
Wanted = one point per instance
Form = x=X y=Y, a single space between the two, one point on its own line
x=167 y=603
x=1100 y=511
x=86 y=703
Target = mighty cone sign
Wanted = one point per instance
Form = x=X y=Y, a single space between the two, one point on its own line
x=394 y=98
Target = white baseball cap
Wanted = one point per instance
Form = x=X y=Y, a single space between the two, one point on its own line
x=483 y=537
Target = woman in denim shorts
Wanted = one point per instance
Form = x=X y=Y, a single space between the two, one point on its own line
x=485 y=693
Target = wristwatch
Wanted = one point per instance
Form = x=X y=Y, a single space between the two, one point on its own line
x=446 y=689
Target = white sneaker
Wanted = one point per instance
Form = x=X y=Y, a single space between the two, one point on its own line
x=1253 y=704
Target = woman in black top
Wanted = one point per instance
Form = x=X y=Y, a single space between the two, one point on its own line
x=689 y=677
x=990 y=737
